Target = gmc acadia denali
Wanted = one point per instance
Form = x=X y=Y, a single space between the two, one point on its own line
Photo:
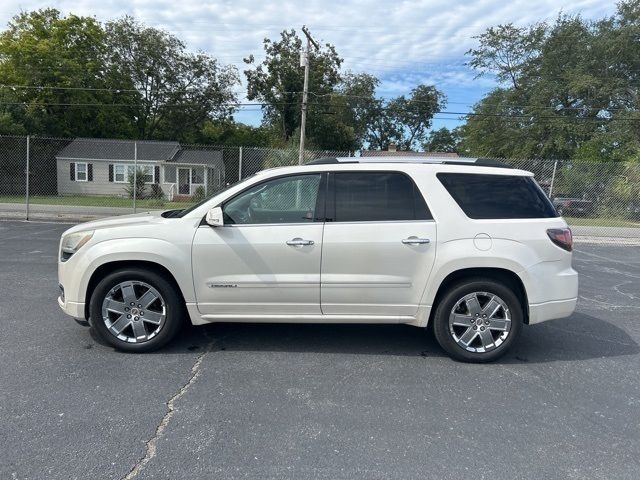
x=470 y=246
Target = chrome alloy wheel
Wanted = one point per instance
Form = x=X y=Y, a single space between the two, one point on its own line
x=480 y=322
x=134 y=311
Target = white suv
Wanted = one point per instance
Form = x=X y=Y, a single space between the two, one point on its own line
x=473 y=247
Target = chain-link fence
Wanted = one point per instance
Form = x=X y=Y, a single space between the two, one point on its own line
x=78 y=179
x=598 y=199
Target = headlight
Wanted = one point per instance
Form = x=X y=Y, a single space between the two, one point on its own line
x=72 y=243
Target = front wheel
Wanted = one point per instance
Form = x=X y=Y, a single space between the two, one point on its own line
x=136 y=310
x=477 y=320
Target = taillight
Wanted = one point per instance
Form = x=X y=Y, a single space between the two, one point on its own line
x=561 y=237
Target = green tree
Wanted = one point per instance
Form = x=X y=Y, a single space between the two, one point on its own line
x=176 y=91
x=415 y=113
x=506 y=51
x=56 y=66
x=378 y=123
x=442 y=140
x=359 y=106
x=278 y=82
x=236 y=134
x=568 y=90
x=10 y=126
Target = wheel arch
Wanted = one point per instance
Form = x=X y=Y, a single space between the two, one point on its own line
x=113 y=266
x=503 y=275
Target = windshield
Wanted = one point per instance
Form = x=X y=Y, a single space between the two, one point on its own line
x=182 y=213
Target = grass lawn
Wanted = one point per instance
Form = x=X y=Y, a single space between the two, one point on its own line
x=91 y=201
x=601 y=222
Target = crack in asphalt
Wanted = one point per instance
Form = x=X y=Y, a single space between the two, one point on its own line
x=152 y=444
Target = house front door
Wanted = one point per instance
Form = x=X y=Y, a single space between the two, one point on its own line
x=184 y=181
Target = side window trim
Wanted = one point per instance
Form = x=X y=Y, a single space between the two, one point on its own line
x=320 y=200
x=330 y=203
x=417 y=195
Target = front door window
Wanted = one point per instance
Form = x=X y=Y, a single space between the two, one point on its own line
x=282 y=200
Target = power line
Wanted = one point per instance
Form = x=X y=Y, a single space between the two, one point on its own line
x=317 y=95
x=49 y=87
x=505 y=105
x=518 y=117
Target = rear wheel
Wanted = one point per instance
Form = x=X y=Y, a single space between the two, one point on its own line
x=136 y=310
x=477 y=320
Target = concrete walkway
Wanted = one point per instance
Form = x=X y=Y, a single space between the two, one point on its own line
x=69 y=213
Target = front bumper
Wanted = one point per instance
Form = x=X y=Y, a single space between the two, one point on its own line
x=74 y=309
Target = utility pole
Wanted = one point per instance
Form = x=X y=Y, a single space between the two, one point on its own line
x=135 y=174
x=304 y=62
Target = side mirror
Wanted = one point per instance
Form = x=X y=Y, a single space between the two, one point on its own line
x=214 y=217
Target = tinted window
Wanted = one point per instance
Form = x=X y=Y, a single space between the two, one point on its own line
x=377 y=196
x=282 y=200
x=497 y=196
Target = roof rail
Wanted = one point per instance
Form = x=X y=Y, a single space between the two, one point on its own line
x=479 y=162
x=327 y=161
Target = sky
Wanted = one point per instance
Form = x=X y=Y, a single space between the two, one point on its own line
x=403 y=43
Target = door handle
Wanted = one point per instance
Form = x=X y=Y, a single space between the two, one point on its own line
x=299 y=242
x=415 y=241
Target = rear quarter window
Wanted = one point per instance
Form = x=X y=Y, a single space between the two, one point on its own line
x=497 y=196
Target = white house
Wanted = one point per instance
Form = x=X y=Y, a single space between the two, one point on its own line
x=102 y=167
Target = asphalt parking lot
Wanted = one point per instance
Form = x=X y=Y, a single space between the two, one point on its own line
x=316 y=401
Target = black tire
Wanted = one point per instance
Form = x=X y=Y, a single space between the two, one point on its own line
x=173 y=304
x=453 y=295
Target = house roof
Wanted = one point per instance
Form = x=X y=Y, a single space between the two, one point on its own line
x=212 y=158
x=404 y=153
x=91 y=148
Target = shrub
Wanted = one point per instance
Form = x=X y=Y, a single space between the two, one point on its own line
x=623 y=195
x=199 y=194
x=140 y=185
x=156 y=192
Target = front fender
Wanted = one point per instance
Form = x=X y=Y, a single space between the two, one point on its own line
x=175 y=258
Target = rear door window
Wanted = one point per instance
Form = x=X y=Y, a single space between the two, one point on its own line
x=376 y=196
x=497 y=196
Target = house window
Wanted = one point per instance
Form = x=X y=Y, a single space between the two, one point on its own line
x=148 y=174
x=81 y=172
x=122 y=172
x=119 y=173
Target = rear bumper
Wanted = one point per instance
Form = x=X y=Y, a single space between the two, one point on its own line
x=552 y=290
x=74 y=309
x=540 y=312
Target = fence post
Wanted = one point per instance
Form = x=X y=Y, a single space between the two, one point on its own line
x=553 y=177
x=135 y=174
x=240 y=164
x=27 y=179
